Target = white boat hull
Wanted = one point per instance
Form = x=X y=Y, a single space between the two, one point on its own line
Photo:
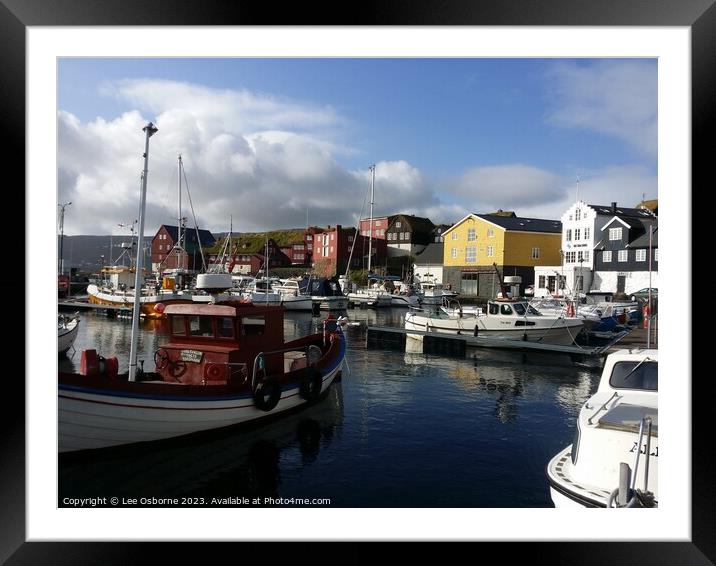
x=562 y=332
x=66 y=335
x=300 y=303
x=90 y=419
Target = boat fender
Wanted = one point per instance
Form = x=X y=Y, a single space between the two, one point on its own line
x=107 y=367
x=475 y=331
x=88 y=363
x=311 y=384
x=267 y=394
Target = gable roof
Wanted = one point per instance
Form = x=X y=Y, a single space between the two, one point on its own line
x=642 y=241
x=630 y=223
x=416 y=223
x=432 y=254
x=606 y=210
x=518 y=224
x=206 y=237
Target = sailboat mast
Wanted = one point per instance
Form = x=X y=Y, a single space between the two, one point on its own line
x=150 y=129
x=370 y=233
x=179 y=248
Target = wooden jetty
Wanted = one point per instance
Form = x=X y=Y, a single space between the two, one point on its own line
x=457 y=344
x=83 y=305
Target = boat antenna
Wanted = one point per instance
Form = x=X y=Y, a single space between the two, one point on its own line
x=370 y=234
x=150 y=129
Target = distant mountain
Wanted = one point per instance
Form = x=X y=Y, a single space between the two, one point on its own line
x=84 y=252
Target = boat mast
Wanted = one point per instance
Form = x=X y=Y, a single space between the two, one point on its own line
x=370 y=234
x=179 y=246
x=150 y=129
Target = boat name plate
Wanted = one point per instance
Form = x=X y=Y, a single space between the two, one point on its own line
x=191 y=355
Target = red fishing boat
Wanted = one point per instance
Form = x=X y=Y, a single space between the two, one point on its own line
x=222 y=366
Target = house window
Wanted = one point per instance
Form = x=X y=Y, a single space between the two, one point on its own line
x=309 y=237
x=453 y=253
x=398 y=225
x=407 y=236
x=656 y=254
x=490 y=251
x=350 y=238
x=331 y=249
x=623 y=255
x=586 y=255
x=571 y=257
x=607 y=257
x=490 y=233
x=454 y=235
x=615 y=234
x=641 y=255
x=586 y=233
x=580 y=256
x=578 y=215
x=576 y=234
x=401 y=235
x=325 y=251
x=470 y=234
x=470 y=254
x=535 y=253
x=541 y=282
x=568 y=236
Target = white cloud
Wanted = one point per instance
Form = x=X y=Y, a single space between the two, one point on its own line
x=265 y=161
x=537 y=193
x=614 y=97
x=507 y=186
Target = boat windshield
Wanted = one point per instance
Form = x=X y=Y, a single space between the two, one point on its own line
x=525 y=308
x=643 y=374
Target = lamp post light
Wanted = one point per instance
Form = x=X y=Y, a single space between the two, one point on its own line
x=62 y=234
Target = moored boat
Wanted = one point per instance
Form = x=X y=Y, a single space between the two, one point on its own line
x=67 y=329
x=222 y=366
x=504 y=318
x=613 y=461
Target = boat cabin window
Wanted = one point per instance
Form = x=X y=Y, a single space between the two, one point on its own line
x=494 y=308
x=519 y=308
x=533 y=311
x=225 y=327
x=505 y=309
x=253 y=326
x=179 y=325
x=200 y=326
x=645 y=377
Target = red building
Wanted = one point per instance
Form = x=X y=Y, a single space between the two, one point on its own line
x=166 y=256
x=380 y=225
x=332 y=250
x=248 y=255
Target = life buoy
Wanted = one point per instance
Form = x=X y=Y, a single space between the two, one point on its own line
x=267 y=394
x=311 y=384
x=215 y=372
x=161 y=358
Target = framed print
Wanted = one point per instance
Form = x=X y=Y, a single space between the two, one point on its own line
x=80 y=69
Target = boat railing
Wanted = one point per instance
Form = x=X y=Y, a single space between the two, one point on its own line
x=259 y=359
x=626 y=494
x=600 y=409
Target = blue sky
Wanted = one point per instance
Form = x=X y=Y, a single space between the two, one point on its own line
x=265 y=140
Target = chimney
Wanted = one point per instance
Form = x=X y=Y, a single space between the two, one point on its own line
x=614 y=207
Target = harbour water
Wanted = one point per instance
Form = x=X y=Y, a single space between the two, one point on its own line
x=401 y=429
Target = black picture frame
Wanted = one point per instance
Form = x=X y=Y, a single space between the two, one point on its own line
x=17 y=15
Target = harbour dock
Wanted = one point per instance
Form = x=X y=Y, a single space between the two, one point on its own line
x=456 y=344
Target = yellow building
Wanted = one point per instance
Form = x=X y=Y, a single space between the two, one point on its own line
x=472 y=245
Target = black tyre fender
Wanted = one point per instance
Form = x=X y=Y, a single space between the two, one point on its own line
x=311 y=384
x=267 y=394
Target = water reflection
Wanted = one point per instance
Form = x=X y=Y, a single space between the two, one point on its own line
x=222 y=464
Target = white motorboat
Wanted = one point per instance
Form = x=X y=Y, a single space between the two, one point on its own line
x=561 y=306
x=291 y=297
x=67 y=329
x=613 y=461
x=504 y=318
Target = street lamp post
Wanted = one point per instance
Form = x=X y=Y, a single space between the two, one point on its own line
x=62 y=234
